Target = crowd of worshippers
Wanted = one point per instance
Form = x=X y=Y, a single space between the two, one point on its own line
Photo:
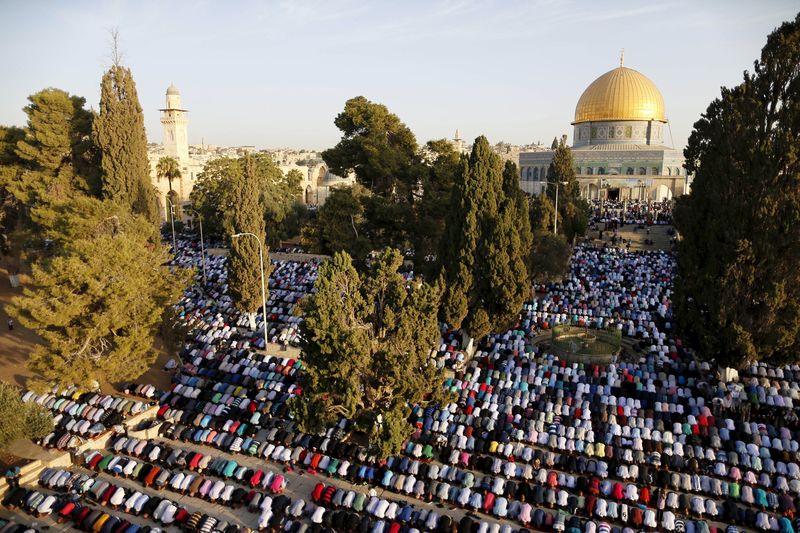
x=654 y=441
x=210 y=310
x=616 y=213
x=12 y=525
x=78 y=416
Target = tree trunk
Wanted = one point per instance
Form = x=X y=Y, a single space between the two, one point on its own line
x=251 y=320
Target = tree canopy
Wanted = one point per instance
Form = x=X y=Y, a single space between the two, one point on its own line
x=484 y=260
x=119 y=133
x=376 y=146
x=168 y=169
x=573 y=211
x=738 y=284
x=19 y=419
x=246 y=215
x=98 y=301
x=340 y=224
x=99 y=285
x=214 y=190
x=48 y=161
x=367 y=340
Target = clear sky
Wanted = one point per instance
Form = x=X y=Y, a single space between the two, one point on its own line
x=276 y=73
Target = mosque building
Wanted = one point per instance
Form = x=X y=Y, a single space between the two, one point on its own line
x=618 y=144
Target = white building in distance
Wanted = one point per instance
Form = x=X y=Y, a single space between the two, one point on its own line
x=315 y=188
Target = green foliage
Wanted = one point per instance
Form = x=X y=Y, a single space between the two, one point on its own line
x=366 y=350
x=213 y=195
x=10 y=170
x=486 y=245
x=541 y=213
x=738 y=284
x=168 y=168
x=119 y=133
x=51 y=156
x=19 y=419
x=340 y=224
x=573 y=212
x=376 y=146
x=98 y=301
x=550 y=260
x=246 y=216
x=49 y=162
x=382 y=153
x=298 y=217
x=438 y=168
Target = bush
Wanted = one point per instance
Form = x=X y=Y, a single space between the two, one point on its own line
x=21 y=420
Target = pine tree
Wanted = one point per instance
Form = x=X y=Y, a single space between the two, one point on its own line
x=366 y=344
x=247 y=216
x=120 y=135
x=738 y=283
x=97 y=301
x=52 y=156
x=485 y=254
x=459 y=247
x=50 y=161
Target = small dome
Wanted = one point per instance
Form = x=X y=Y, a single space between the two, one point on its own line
x=620 y=94
x=172 y=90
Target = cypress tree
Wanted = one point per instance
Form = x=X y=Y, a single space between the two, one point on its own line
x=573 y=212
x=458 y=248
x=738 y=283
x=120 y=135
x=247 y=216
x=521 y=214
x=484 y=267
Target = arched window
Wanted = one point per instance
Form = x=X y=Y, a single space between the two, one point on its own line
x=530 y=173
x=601 y=171
x=589 y=171
x=536 y=174
x=543 y=174
x=669 y=171
x=629 y=171
x=642 y=171
x=678 y=171
x=654 y=171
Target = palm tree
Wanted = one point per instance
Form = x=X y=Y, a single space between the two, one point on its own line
x=168 y=168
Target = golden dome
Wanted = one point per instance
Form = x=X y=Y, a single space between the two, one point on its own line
x=620 y=94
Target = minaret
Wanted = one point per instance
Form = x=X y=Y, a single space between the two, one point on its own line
x=176 y=139
x=458 y=142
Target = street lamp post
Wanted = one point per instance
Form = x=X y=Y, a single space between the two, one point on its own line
x=555 y=214
x=172 y=219
x=263 y=289
x=202 y=246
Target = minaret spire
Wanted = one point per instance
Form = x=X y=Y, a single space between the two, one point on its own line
x=621 y=57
